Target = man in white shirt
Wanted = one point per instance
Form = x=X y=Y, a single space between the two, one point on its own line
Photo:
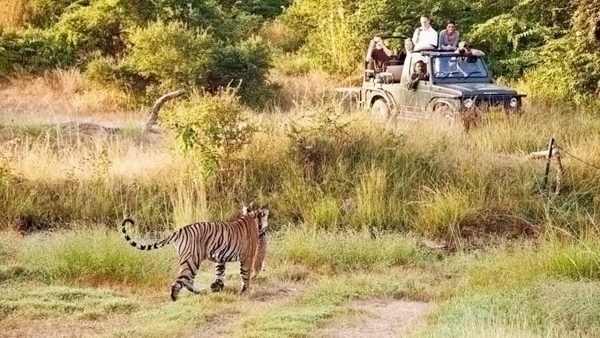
x=425 y=37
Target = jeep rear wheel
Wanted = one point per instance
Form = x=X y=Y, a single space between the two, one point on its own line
x=380 y=110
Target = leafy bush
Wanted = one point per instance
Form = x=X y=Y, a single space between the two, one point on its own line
x=212 y=128
x=184 y=57
x=267 y=9
x=504 y=37
x=96 y=28
x=329 y=34
x=206 y=15
x=570 y=71
x=246 y=66
x=335 y=44
x=33 y=51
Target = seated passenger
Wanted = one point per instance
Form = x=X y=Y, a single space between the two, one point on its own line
x=409 y=46
x=419 y=74
x=425 y=37
x=449 y=37
x=464 y=49
x=377 y=54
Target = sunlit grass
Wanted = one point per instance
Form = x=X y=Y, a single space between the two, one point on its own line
x=347 y=250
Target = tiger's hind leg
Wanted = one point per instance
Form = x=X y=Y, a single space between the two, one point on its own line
x=187 y=273
x=219 y=282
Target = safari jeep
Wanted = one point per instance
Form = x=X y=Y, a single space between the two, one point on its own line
x=459 y=86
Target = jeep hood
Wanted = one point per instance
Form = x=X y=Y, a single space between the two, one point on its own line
x=477 y=89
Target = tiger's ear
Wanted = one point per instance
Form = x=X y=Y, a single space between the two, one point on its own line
x=245 y=210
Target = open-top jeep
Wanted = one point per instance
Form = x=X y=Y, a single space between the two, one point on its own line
x=459 y=87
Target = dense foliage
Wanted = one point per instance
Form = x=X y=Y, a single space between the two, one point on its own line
x=150 y=46
x=551 y=44
x=146 y=46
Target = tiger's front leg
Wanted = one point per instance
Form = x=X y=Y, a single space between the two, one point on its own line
x=219 y=282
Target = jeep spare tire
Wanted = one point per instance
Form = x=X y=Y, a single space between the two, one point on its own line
x=380 y=110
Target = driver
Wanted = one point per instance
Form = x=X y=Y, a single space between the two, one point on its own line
x=377 y=54
x=419 y=74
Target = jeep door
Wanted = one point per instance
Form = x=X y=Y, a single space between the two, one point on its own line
x=413 y=103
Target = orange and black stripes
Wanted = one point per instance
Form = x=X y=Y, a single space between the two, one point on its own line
x=219 y=242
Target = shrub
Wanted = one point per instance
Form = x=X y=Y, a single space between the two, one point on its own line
x=185 y=55
x=99 y=27
x=244 y=66
x=33 y=50
x=200 y=14
x=108 y=72
x=211 y=127
x=266 y=9
x=505 y=37
x=555 y=79
x=335 y=43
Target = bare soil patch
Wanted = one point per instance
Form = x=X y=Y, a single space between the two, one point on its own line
x=378 y=318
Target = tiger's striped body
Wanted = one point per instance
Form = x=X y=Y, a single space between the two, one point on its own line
x=219 y=242
x=259 y=259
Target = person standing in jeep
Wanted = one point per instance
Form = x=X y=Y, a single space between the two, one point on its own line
x=449 y=37
x=425 y=37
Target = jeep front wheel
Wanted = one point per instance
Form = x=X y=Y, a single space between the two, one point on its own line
x=446 y=114
x=380 y=110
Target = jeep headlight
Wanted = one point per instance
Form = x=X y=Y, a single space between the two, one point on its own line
x=514 y=102
x=468 y=103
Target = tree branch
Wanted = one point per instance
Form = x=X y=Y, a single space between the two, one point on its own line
x=153 y=114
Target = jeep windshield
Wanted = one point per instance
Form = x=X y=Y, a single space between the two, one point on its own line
x=458 y=67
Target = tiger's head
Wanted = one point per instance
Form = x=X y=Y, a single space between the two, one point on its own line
x=260 y=215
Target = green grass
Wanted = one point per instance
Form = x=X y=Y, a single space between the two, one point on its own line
x=546 y=308
x=345 y=251
x=521 y=288
x=58 y=302
x=95 y=257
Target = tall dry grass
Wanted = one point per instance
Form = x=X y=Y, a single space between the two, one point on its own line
x=13 y=13
x=62 y=95
x=315 y=165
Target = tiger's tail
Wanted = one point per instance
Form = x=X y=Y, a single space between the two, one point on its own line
x=156 y=245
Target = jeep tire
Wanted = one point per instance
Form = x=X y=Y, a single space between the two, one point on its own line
x=380 y=110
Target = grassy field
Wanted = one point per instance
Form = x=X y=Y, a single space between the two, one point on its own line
x=351 y=201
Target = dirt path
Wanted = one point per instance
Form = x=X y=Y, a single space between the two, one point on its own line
x=383 y=318
x=222 y=326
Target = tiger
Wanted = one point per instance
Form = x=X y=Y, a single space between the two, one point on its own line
x=219 y=242
x=259 y=259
